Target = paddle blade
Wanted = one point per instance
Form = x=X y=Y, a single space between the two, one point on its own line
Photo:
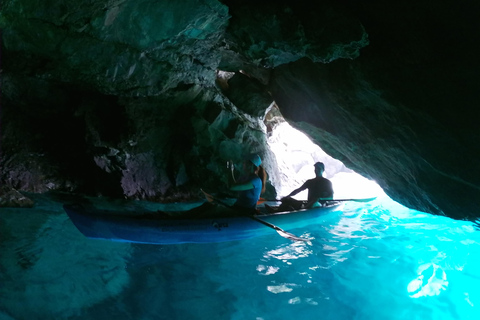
x=261 y=200
x=208 y=196
x=290 y=236
x=280 y=231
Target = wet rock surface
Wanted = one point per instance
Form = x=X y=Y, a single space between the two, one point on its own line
x=10 y=197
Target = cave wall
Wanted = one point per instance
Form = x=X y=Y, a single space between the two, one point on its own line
x=411 y=154
x=124 y=98
x=403 y=112
x=159 y=148
x=117 y=99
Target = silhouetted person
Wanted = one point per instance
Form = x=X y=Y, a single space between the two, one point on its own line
x=319 y=191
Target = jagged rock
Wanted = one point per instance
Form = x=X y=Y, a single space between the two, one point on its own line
x=126 y=99
x=10 y=197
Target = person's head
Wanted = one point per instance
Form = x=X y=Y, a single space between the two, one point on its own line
x=255 y=159
x=251 y=163
x=319 y=168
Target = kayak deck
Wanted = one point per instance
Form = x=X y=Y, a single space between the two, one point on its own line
x=155 y=228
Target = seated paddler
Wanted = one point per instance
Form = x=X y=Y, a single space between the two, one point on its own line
x=320 y=190
x=250 y=185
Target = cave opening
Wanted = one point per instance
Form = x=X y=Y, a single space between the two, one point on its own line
x=294 y=155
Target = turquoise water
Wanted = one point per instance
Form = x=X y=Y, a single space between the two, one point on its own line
x=375 y=260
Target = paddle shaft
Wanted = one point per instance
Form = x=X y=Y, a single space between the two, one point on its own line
x=337 y=200
x=279 y=230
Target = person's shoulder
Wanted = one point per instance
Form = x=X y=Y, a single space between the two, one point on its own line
x=328 y=182
x=321 y=180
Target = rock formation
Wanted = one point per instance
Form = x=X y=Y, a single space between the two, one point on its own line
x=147 y=100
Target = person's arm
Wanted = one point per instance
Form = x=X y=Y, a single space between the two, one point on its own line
x=298 y=190
x=242 y=187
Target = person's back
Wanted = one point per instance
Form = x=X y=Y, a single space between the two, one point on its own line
x=250 y=187
x=319 y=187
x=248 y=198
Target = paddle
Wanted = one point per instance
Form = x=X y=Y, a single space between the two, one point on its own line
x=262 y=200
x=280 y=231
x=355 y=200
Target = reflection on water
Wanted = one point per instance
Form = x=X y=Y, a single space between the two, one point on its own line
x=372 y=261
x=292 y=251
x=431 y=280
x=56 y=271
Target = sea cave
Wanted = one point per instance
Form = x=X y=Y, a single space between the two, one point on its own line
x=143 y=104
x=147 y=100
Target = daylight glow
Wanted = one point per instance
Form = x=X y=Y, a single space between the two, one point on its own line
x=295 y=155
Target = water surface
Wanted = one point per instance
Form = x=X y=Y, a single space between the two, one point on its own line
x=375 y=260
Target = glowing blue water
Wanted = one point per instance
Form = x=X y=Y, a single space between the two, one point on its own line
x=375 y=261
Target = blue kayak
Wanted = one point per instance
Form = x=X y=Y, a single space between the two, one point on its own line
x=154 y=228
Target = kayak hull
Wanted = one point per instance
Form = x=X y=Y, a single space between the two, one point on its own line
x=154 y=229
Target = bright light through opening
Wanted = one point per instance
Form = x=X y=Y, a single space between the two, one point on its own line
x=295 y=155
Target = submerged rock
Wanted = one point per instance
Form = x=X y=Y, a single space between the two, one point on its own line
x=10 y=197
x=55 y=270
